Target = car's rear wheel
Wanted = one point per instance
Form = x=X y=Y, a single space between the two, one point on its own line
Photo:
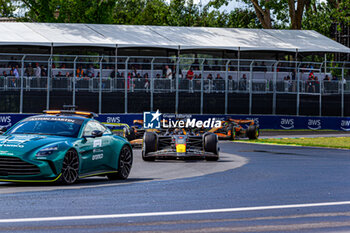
x=70 y=167
x=233 y=133
x=149 y=144
x=211 y=145
x=253 y=132
x=124 y=164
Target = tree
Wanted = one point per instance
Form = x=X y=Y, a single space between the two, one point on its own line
x=274 y=13
x=6 y=8
x=69 y=11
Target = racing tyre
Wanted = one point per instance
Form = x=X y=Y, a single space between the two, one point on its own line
x=124 y=164
x=149 y=145
x=233 y=133
x=70 y=168
x=253 y=132
x=211 y=145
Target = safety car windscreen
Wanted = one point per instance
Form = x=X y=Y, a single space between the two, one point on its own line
x=48 y=126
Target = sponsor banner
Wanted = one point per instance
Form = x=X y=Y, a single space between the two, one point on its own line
x=264 y=121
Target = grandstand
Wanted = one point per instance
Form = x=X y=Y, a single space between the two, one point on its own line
x=119 y=68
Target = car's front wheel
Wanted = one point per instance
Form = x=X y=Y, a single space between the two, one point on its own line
x=124 y=164
x=70 y=167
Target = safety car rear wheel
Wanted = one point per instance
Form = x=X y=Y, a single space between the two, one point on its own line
x=211 y=145
x=253 y=132
x=70 y=168
x=149 y=144
x=124 y=164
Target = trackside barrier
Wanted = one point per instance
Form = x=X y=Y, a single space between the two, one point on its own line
x=264 y=121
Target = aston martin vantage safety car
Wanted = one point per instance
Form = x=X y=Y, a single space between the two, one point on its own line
x=233 y=128
x=179 y=143
x=62 y=146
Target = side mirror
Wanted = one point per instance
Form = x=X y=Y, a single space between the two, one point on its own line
x=96 y=133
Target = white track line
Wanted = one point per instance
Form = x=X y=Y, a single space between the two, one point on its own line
x=151 y=214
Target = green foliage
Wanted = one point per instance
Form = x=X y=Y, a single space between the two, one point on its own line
x=137 y=12
x=6 y=8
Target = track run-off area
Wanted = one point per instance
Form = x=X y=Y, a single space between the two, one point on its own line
x=252 y=188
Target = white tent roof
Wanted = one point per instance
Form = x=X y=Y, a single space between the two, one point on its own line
x=47 y=34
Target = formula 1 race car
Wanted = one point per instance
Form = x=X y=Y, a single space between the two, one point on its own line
x=62 y=146
x=232 y=129
x=179 y=143
x=135 y=133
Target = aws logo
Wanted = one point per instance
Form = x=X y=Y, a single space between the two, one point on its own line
x=5 y=121
x=255 y=119
x=287 y=123
x=314 y=124
x=345 y=125
x=113 y=119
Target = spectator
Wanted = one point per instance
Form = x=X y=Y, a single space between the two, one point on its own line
x=210 y=77
x=230 y=77
x=4 y=74
x=67 y=75
x=80 y=72
x=59 y=74
x=15 y=71
x=29 y=70
x=90 y=71
x=114 y=73
x=168 y=72
x=334 y=78
x=147 y=82
x=134 y=72
x=218 y=76
x=12 y=80
x=37 y=71
x=190 y=74
x=326 y=78
x=243 y=83
x=310 y=84
x=43 y=71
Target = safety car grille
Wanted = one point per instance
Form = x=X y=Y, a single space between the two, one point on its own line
x=15 y=166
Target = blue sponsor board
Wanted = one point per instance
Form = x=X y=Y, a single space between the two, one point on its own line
x=264 y=121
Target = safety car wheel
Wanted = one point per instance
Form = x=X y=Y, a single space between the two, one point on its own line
x=124 y=164
x=253 y=132
x=70 y=168
x=211 y=145
x=149 y=144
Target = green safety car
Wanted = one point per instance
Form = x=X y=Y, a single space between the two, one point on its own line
x=62 y=146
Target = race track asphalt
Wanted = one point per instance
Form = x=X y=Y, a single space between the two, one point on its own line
x=263 y=176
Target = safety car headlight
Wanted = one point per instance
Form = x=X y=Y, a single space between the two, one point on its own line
x=47 y=151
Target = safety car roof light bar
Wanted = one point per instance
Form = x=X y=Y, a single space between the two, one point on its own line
x=69 y=112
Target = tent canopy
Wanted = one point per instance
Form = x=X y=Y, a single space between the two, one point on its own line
x=60 y=35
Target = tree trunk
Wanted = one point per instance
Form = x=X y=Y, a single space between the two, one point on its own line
x=263 y=15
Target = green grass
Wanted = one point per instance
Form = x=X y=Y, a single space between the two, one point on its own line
x=330 y=142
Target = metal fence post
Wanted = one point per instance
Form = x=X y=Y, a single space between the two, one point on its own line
x=74 y=78
x=202 y=84
x=298 y=90
x=274 y=86
x=21 y=95
x=251 y=88
x=100 y=89
x=342 y=92
x=177 y=86
x=48 y=83
x=126 y=86
x=152 y=83
x=226 y=86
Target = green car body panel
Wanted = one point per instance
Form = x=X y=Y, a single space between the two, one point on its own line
x=97 y=155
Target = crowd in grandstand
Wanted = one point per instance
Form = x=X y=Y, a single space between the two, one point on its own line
x=137 y=72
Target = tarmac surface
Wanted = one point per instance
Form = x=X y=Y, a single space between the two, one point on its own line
x=252 y=188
